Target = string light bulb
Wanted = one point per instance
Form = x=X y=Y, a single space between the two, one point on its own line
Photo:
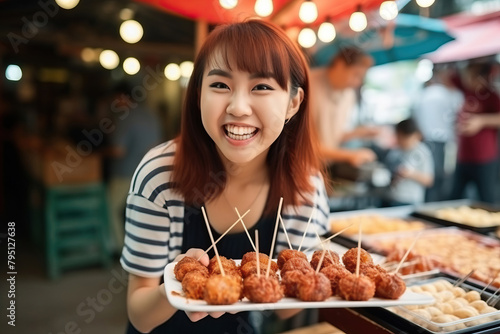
x=358 y=21
x=263 y=8
x=172 y=72
x=425 y=3
x=388 y=10
x=308 y=12
x=307 y=38
x=228 y=4
x=326 y=32
x=131 y=66
x=131 y=31
x=67 y=4
x=109 y=59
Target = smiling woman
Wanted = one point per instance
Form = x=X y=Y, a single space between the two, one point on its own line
x=235 y=152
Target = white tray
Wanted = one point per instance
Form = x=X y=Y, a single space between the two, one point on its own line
x=175 y=296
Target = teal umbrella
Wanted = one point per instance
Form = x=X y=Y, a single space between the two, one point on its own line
x=413 y=36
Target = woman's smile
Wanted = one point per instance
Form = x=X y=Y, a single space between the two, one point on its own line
x=239 y=133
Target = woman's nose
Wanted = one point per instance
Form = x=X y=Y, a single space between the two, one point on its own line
x=239 y=105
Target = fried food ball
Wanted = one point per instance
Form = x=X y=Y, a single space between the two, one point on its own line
x=222 y=290
x=259 y=289
x=296 y=263
x=372 y=271
x=360 y=288
x=230 y=267
x=287 y=254
x=250 y=268
x=290 y=281
x=187 y=264
x=335 y=273
x=350 y=258
x=314 y=287
x=194 y=283
x=389 y=286
x=330 y=258
x=264 y=259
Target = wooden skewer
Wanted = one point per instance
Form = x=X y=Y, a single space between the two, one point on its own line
x=486 y=287
x=321 y=260
x=307 y=226
x=286 y=234
x=493 y=298
x=212 y=239
x=322 y=244
x=359 y=249
x=463 y=279
x=274 y=238
x=407 y=252
x=328 y=239
x=245 y=228
x=227 y=231
x=257 y=252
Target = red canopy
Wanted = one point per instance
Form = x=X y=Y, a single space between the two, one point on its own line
x=285 y=13
x=476 y=36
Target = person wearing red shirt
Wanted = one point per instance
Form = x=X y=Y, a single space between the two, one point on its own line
x=477 y=130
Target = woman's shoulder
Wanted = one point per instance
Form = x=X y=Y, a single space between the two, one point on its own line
x=153 y=172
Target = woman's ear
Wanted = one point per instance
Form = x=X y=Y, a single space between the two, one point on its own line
x=295 y=102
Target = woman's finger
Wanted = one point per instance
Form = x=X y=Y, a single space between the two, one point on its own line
x=196 y=316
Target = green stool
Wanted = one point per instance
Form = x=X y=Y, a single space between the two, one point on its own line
x=77 y=227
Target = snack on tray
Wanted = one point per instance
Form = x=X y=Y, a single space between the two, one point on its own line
x=452 y=304
x=457 y=252
x=469 y=216
x=373 y=224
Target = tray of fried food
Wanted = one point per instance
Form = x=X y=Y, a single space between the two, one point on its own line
x=476 y=216
x=375 y=224
x=295 y=280
x=449 y=249
x=459 y=307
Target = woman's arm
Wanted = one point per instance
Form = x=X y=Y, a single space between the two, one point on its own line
x=147 y=303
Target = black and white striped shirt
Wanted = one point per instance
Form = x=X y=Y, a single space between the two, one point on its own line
x=155 y=216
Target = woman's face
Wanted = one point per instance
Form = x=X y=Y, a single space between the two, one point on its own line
x=243 y=113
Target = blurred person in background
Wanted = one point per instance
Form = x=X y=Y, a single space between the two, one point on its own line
x=477 y=128
x=333 y=98
x=411 y=165
x=137 y=131
x=435 y=113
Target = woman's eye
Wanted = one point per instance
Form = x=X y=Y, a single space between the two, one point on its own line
x=219 y=85
x=263 y=87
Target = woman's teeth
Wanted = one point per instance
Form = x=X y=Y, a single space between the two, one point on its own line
x=240 y=132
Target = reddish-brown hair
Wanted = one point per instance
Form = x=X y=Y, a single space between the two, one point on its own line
x=254 y=46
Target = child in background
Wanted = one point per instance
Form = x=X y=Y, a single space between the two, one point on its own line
x=245 y=141
x=411 y=164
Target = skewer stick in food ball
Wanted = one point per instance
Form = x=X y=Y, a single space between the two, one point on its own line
x=286 y=234
x=227 y=231
x=245 y=228
x=307 y=226
x=274 y=237
x=359 y=248
x=463 y=279
x=257 y=252
x=261 y=289
x=324 y=249
x=212 y=239
x=407 y=252
x=321 y=261
x=220 y=289
x=328 y=239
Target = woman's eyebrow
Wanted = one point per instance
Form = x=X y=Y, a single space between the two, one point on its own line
x=220 y=72
x=265 y=75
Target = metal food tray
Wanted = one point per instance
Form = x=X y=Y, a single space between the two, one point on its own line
x=424 y=325
x=374 y=244
x=427 y=211
x=401 y=212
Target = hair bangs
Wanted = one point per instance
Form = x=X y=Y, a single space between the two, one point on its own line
x=243 y=47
